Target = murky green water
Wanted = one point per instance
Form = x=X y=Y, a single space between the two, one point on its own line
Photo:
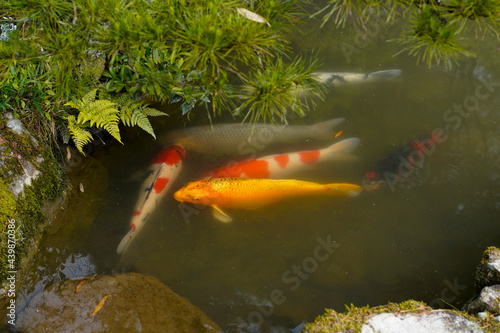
x=268 y=269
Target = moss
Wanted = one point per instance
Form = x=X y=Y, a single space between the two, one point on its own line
x=7 y=211
x=15 y=145
x=354 y=317
x=8 y=200
x=26 y=210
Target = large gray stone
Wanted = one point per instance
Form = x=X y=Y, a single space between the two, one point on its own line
x=134 y=303
x=488 y=300
x=435 y=322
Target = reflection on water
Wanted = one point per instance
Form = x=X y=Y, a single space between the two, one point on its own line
x=283 y=264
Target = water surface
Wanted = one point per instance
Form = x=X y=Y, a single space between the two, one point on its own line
x=420 y=240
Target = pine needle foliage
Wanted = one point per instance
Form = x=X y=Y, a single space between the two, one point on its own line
x=433 y=40
x=437 y=30
x=272 y=93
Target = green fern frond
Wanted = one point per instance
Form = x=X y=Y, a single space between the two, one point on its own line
x=132 y=117
x=89 y=97
x=133 y=112
x=100 y=113
x=80 y=135
x=153 y=112
x=106 y=113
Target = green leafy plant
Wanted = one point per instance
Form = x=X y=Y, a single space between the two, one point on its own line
x=92 y=113
x=193 y=52
x=106 y=114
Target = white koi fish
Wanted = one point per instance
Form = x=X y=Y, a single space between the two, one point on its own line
x=228 y=138
x=339 y=79
x=162 y=173
x=282 y=165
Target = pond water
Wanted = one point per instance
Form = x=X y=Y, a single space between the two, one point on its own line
x=270 y=270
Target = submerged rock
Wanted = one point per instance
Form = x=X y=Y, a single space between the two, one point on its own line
x=129 y=302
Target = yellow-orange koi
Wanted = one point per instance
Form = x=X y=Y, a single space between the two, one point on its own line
x=246 y=193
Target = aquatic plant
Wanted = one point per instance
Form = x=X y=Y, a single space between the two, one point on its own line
x=438 y=31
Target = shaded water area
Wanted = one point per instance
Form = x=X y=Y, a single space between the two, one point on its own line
x=269 y=270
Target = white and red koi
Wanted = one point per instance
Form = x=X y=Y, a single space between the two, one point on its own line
x=162 y=173
x=282 y=165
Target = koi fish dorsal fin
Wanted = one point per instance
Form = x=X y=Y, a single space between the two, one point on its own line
x=344 y=189
x=220 y=215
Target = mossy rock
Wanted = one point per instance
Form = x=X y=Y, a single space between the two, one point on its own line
x=118 y=303
x=354 y=317
x=38 y=177
x=404 y=315
x=488 y=270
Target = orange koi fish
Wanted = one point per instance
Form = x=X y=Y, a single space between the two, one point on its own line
x=279 y=166
x=162 y=173
x=244 y=193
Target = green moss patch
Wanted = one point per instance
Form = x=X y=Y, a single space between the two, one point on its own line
x=27 y=209
x=354 y=317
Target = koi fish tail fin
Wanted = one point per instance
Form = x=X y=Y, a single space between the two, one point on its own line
x=342 y=151
x=344 y=189
x=122 y=247
x=324 y=130
x=385 y=75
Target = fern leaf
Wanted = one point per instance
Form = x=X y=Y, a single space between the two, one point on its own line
x=80 y=135
x=89 y=97
x=140 y=118
x=153 y=112
x=98 y=113
x=134 y=112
